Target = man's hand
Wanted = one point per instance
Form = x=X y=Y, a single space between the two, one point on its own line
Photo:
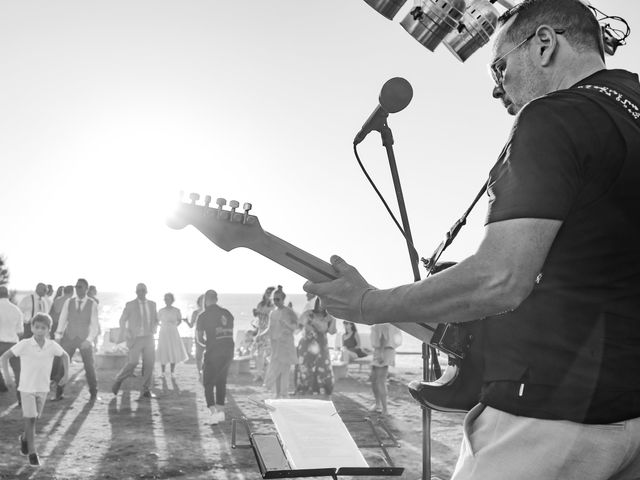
x=86 y=345
x=9 y=382
x=342 y=297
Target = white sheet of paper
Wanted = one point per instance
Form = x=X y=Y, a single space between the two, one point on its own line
x=314 y=435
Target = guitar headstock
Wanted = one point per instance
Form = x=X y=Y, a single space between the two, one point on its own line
x=227 y=228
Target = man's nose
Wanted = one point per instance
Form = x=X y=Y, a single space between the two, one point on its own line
x=498 y=91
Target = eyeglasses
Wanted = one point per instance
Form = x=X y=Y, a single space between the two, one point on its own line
x=497 y=67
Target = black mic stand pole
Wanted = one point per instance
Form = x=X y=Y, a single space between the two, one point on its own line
x=387 y=142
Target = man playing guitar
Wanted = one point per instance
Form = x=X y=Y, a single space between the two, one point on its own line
x=557 y=276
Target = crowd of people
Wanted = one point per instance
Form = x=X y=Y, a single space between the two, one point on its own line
x=273 y=338
x=42 y=332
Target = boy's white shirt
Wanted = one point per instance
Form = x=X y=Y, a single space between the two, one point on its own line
x=35 y=363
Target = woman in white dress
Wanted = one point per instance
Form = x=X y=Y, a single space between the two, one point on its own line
x=170 y=347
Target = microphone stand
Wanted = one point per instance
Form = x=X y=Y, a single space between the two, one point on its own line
x=387 y=142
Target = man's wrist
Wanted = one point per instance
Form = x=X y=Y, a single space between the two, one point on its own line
x=361 y=313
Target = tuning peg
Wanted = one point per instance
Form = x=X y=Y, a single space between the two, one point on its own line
x=194 y=198
x=246 y=207
x=233 y=204
x=221 y=202
x=207 y=201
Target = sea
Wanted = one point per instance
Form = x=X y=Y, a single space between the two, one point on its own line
x=241 y=305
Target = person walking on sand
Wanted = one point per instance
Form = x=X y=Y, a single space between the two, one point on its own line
x=11 y=328
x=170 y=347
x=138 y=325
x=283 y=321
x=36 y=302
x=263 y=350
x=198 y=347
x=36 y=357
x=385 y=338
x=56 y=309
x=77 y=329
x=214 y=328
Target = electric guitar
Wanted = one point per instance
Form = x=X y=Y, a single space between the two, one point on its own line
x=456 y=390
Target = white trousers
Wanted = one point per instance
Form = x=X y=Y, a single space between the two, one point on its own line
x=499 y=446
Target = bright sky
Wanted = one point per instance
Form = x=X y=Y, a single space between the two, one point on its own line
x=109 y=108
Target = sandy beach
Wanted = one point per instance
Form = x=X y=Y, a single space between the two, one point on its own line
x=171 y=436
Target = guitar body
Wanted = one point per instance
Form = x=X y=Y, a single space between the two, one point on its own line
x=458 y=389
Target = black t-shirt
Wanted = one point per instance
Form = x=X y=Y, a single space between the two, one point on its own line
x=217 y=324
x=573 y=346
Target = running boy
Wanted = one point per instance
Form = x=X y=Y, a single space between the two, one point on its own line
x=36 y=358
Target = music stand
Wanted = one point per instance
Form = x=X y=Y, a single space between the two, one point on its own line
x=322 y=428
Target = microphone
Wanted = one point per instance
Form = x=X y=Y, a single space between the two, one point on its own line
x=394 y=96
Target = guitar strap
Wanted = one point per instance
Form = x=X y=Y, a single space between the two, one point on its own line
x=431 y=263
x=630 y=107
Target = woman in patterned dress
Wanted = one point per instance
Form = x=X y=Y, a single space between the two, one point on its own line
x=314 y=362
x=262 y=346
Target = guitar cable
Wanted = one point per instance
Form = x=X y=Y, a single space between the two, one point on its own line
x=393 y=217
x=384 y=202
x=431 y=263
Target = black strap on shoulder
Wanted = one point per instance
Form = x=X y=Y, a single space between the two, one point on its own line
x=431 y=263
x=630 y=107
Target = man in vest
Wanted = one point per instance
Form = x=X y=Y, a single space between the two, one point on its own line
x=36 y=302
x=77 y=328
x=138 y=325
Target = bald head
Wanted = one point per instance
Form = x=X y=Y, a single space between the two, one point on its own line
x=210 y=298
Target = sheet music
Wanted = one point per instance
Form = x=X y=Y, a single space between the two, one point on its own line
x=314 y=435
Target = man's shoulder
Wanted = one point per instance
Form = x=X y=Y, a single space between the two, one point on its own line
x=27 y=298
x=58 y=302
x=7 y=304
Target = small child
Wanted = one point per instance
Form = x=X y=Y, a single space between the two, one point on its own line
x=36 y=359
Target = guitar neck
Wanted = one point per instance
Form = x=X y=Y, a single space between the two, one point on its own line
x=294 y=259
x=316 y=270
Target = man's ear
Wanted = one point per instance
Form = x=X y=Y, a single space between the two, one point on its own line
x=547 y=43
